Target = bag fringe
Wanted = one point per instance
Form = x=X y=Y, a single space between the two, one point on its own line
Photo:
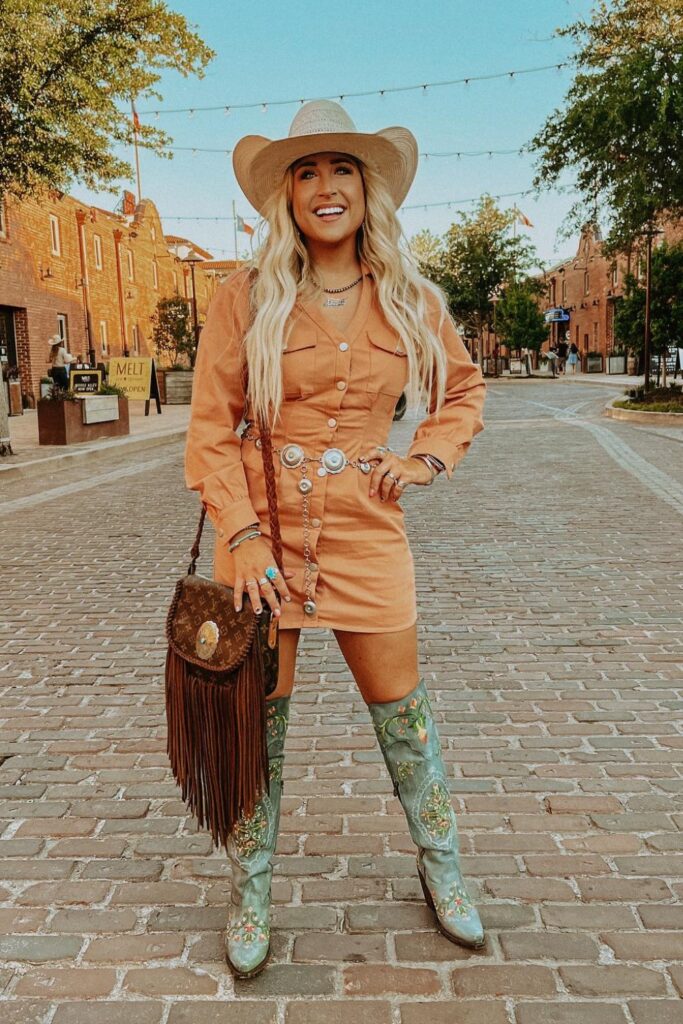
x=217 y=744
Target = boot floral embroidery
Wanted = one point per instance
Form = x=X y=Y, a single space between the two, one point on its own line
x=275 y=770
x=415 y=716
x=437 y=813
x=404 y=769
x=276 y=725
x=250 y=832
x=455 y=903
x=249 y=928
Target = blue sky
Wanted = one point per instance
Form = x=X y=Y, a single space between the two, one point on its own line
x=274 y=51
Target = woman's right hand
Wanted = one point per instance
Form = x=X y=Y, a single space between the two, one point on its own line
x=251 y=558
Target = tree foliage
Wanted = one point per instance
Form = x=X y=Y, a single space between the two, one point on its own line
x=619 y=130
x=68 y=72
x=666 y=303
x=172 y=330
x=473 y=261
x=519 y=320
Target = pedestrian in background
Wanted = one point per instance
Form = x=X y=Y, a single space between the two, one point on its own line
x=60 y=359
x=573 y=357
x=551 y=356
x=332 y=321
x=562 y=349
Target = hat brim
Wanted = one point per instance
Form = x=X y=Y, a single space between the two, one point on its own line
x=260 y=163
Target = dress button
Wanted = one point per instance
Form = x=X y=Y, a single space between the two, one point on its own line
x=316 y=523
x=343 y=347
x=341 y=384
x=313 y=566
x=332 y=422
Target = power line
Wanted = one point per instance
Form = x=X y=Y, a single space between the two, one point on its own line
x=426 y=156
x=264 y=104
x=417 y=206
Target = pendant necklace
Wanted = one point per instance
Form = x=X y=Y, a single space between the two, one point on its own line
x=336 y=291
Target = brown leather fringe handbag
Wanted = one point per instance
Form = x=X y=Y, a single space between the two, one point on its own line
x=220 y=666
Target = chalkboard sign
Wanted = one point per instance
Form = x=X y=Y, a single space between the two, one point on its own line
x=85 y=382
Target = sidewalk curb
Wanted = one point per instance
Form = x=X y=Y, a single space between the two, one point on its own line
x=96 y=452
x=663 y=419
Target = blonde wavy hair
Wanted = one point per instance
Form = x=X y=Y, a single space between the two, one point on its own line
x=286 y=274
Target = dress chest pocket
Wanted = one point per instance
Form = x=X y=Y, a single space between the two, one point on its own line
x=388 y=364
x=298 y=365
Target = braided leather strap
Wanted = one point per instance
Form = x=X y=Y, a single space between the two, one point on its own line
x=271 y=492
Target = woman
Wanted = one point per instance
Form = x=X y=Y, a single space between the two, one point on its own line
x=59 y=360
x=333 y=321
x=573 y=357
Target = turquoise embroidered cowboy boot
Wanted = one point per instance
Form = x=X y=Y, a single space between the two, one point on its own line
x=250 y=849
x=409 y=741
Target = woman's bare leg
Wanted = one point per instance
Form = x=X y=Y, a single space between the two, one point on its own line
x=384 y=665
x=289 y=640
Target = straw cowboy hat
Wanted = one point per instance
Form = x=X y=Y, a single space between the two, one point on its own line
x=324 y=126
x=56 y=339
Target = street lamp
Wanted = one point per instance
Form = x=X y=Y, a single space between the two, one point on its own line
x=192 y=258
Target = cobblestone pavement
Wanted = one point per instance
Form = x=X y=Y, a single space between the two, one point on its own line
x=550 y=605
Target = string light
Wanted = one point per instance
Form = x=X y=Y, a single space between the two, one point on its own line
x=425 y=156
x=373 y=92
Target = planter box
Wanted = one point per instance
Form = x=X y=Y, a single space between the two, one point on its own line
x=616 y=364
x=61 y=422
x=593 y=364
x=161 y=380
x=14 y=405
x=179 y=387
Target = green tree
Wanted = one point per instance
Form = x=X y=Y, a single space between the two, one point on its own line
x=475 y=258
x=619 y=129
x=519 y=321
x=172 y=331
x=68 y=72
x=666 y=304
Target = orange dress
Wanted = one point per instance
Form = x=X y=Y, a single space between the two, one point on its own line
x=340 y=391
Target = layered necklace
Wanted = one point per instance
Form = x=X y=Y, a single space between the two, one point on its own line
x=337 y=291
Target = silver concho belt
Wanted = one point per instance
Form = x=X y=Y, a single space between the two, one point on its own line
x=332 y=461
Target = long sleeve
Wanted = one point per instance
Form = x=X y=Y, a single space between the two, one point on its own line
x=213 y=465
x=449 y=434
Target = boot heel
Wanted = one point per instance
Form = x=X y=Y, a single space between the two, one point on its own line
x=427 y=893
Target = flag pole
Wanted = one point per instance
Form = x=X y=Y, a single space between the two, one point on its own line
x=135 y=145
x=234 y=221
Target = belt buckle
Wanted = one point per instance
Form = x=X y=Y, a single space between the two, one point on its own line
x=333 y=460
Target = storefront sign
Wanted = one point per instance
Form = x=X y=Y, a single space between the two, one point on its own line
x=100 y=408
x=136 y=377
x=556 y=315
x=85 y=382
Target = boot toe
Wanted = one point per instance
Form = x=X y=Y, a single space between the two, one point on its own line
x=247 y=943
x=466 y=928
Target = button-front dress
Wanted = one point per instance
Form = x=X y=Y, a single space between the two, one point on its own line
x=340 y=390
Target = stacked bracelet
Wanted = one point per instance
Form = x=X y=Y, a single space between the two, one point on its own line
x=246 y=536
x=435 y=465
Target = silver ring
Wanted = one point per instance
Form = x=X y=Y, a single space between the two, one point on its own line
x=391 y=475
x=271 y=571
x=264 y=580
x=249 y=583
x=400 y=483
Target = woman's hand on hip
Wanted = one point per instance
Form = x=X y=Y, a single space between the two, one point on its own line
x=392 y=474
x=252 y=557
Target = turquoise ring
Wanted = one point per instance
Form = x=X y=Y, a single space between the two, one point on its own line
x=271 y=571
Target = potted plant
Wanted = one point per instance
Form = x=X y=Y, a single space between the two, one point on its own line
x=175 y=345
x=63 y=419
x=594 y=362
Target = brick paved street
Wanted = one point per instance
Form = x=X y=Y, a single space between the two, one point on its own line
x=550 y=599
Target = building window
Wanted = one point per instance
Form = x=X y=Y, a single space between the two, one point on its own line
x=131 y=265
x=153 y=233
x=615 y=275
x=97 y=242
x=63 y=326
x=586 y=283
x=3 y=219
x=564 y=289
x=175 y=281
x=55 y=245
x=136 y=340
x=155 y=274
x=103 y=337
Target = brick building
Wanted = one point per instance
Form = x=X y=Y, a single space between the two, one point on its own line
x=587 y=288
x=92 y=276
